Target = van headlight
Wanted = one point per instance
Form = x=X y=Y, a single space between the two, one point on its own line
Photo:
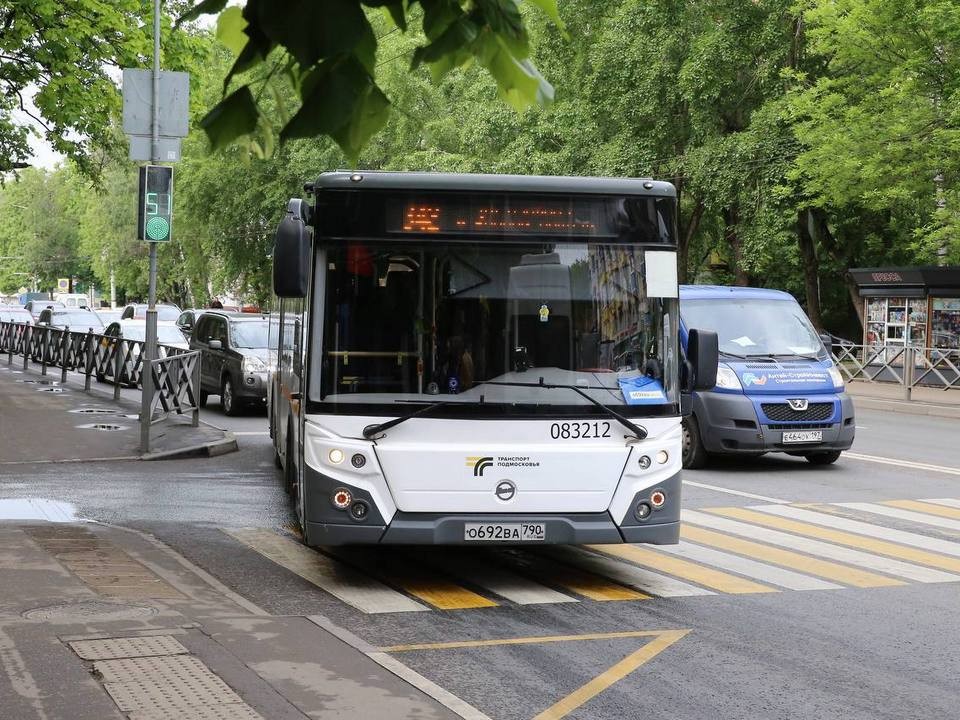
x=836 y=377
x=727 y=379
x=252 y=364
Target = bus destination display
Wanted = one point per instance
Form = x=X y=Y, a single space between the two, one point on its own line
x=538 y=217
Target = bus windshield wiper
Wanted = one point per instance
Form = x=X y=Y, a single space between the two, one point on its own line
x=735 y=355
x=371 y=430
x=637 y=430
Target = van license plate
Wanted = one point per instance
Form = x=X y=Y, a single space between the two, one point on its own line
x=803 y=436
x=504 y=532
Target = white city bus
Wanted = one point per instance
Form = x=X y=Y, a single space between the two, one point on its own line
x=481 y=359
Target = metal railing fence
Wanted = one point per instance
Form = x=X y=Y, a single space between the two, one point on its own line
x=176 y=372
x=906 y=365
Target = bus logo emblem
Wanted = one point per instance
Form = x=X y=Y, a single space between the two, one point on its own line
x=479 y=464
x=505 y=490
x=798 y=404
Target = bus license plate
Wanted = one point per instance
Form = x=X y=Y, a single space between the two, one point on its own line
x=504 y=532
x=803 y=436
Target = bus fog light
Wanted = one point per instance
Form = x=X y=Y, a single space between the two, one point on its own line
x=335 y=456
x=359 y=510
x=358 y=460
x=658 y=498
x=341 y=498
x=642 y=510
x=644 y=462
x=663 y=456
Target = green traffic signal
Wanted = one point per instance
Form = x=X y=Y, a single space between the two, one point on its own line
x=155 y=207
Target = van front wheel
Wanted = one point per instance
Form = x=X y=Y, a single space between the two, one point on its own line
x=694 y=454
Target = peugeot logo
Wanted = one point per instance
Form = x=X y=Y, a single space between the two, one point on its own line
x=505 y=490
x=798 y=404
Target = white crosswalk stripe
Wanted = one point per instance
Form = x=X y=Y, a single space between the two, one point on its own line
x=908 y=515
x=845 y=555
x=341 y=581
x=859 y=527
x=749 y=568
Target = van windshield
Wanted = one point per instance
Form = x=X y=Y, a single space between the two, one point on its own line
x=754 y=327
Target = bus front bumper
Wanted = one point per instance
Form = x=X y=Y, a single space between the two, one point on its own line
x=326 y=526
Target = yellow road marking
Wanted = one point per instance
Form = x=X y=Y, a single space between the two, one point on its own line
x=928 y=508
x=608 y=677
x=705 y=576
x=803 y=563
x=882 y=547
x=440 y=593
x=579 y=581
x=662 y=639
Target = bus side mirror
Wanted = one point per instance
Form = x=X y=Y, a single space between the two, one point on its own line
x=291 y=252
x=703 y=354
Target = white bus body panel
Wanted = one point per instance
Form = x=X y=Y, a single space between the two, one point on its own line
x=429 y=465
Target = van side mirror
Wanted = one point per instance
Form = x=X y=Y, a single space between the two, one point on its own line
x=291 y=251
x=703 y=355
x=827 y=340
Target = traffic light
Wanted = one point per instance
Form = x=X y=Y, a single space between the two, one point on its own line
x=155 y=206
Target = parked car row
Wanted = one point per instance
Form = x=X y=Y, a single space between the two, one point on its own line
x=234 y=359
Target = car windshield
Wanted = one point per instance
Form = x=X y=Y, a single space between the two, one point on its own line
x=250 y=334
x=76 y=320
x=755 y=326
x=485 y=324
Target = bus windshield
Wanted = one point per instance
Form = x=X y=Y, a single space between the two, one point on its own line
x=755 y=327
x=487 y=324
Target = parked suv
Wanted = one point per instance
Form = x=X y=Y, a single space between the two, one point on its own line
x=234 y=358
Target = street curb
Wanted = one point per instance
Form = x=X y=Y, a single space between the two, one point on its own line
x=209 y=449
x=906 y=407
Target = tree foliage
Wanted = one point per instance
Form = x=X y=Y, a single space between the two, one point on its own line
x=327 y=52
x=67 y=54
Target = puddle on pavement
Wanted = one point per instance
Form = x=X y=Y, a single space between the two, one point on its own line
x=38 y=509
x=103 y=427
x=95 y=411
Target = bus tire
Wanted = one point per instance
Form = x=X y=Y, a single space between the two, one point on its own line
x=694 y=453
x=228 y=400
x=823 y=458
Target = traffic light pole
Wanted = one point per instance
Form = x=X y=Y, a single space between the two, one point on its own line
x=150 y=347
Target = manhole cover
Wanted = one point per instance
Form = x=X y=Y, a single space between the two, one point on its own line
x=103 y=427
x=57 y=390
x=94 y=411
x=90 y=610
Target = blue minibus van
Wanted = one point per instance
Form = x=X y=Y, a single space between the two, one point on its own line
x=777 y=389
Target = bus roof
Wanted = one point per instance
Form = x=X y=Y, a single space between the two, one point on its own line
x=379 y=180
x=718 y=292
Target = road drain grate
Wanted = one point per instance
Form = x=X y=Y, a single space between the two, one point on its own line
x=103 y=427
x=95 y=411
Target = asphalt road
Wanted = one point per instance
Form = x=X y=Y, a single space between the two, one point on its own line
x=875 y=641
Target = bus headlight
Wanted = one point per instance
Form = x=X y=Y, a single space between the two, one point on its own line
x=836 y=377
x=727 y=379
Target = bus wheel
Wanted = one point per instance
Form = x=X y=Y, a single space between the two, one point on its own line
x=823 y=458
x=694 y=454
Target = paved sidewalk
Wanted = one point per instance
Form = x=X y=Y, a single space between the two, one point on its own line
x=35 y=408
x=889 y=396
x=101 y=623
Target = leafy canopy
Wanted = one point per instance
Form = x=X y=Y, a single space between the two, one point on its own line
x=327 y=50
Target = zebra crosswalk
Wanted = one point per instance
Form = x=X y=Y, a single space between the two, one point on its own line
x=762 y=548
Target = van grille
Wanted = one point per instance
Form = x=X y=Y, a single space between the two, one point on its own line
x=782 y=412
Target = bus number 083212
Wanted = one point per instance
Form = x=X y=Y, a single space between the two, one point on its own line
x=579 y=430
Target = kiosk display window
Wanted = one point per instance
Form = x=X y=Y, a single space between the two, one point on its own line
x=945 y=328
